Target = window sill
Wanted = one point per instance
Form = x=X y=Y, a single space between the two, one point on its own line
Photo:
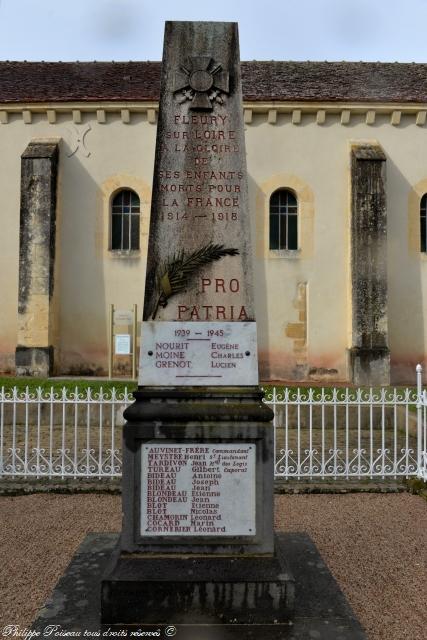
x=291 y=254
x=125 y=253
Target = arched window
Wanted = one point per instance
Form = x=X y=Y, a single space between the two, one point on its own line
x=283 y=220
x=125 y=221
x=423 y=229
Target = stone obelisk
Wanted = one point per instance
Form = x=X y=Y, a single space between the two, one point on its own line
x=199 y=266
x=197 y=542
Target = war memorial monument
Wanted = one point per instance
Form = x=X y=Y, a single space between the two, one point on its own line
x=197 y=556
x=197 y=542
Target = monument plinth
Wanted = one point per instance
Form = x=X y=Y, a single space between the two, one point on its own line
x=197 y=542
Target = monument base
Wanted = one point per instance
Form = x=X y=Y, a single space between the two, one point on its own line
x=204 y=590
x=197 y=542
x=321 y=610
x=210 y=502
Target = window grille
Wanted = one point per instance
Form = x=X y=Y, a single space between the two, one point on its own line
x=283 y=220
x=125 y=212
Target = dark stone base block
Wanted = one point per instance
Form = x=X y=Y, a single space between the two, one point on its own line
x=34 y=361
x=370 y=366
x=199 y=417
x=215 y=590
x=321 y=610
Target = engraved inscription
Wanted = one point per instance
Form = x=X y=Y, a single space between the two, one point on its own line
x=198 y=489
x=200 y=197
x=188 y=353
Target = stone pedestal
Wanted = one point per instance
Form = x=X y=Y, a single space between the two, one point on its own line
x=199 y=590
x=321 y=610
x=216 y=576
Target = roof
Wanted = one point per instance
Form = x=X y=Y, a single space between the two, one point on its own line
x=262 y=81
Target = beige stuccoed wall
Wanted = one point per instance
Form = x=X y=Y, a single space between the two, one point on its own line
x=88 y=277
x=314 y=163
x=303 y=299
x=317 y=157
x=9 y=245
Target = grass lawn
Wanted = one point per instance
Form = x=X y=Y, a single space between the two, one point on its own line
x=57 y=384
x=21 y=382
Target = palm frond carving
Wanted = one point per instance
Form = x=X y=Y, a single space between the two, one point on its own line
x=174 y=275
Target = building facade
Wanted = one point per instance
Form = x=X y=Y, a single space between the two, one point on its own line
x=337 y=169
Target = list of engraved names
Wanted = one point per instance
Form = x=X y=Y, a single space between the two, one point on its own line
x=198 y=489
x=185 y=353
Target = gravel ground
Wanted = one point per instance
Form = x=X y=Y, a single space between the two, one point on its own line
x=374 y=544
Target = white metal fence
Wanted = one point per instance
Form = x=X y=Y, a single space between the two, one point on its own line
x=346 y=433
x=350 y=433
x=67 y=434
x=319 y=433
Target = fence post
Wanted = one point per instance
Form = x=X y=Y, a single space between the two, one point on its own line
x=419 y=370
